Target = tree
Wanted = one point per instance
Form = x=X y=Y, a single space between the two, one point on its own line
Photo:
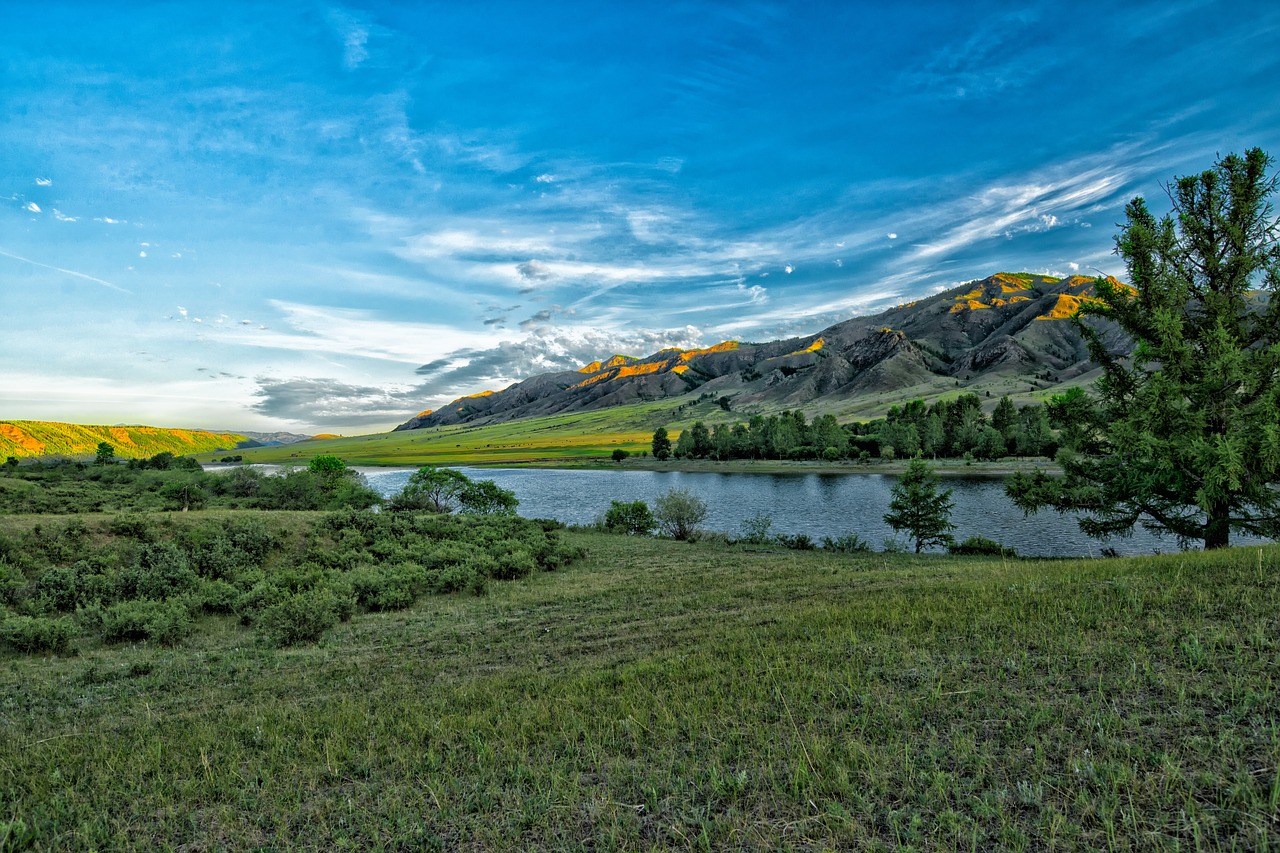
x=327 y=465
x=918 y=507
x=485 y=497
x=619 y=454
x=633 y=519
x=432 y=488
x=106 y=454
x=661 y=444
x=1184 y=436
x=679 y=512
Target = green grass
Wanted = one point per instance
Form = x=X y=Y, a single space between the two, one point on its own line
x=556 y=439
x=660 y=695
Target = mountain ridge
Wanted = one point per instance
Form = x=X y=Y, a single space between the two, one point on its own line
x=1001 y=330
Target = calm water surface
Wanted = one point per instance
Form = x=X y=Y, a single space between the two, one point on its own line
x=816 y=504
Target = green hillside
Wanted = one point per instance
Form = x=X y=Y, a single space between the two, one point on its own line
x=47 y=438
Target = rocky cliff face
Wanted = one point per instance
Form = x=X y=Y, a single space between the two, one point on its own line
x=1007 y=325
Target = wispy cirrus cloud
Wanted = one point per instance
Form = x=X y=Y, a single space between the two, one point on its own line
x=72 y=273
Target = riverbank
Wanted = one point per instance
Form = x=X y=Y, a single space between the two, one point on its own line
x=944 y=467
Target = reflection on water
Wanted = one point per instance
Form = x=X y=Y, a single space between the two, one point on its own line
x=815 y=504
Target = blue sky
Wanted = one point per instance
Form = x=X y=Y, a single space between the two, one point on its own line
x=327 y=217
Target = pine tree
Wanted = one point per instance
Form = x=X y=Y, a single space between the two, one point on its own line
x=918 y=507
x=1184 y=437
x=661 y=444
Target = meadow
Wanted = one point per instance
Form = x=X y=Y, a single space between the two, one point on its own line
x=661 y=695
x=581 y=437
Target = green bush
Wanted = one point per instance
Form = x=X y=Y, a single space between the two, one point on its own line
x=796 y=542
x=12 y=579
x=755 y=529
x=250 y=604
x=164 y=621
x=680 y=513
x=850 y=543
x=33 y=634
x=981 y=546
x=633 y=519
x=300 y=617
x=388 y=587
x=512 y=565
x=132 y=526
x=161 y=570
x=217 y=596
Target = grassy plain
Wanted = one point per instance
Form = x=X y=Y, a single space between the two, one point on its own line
x=558 y=439
x=659 y=695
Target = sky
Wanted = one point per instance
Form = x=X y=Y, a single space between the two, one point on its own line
x=327 y=217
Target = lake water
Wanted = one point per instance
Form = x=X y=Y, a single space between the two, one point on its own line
x=815 y=504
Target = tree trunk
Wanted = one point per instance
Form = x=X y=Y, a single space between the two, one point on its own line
x=1217 y=529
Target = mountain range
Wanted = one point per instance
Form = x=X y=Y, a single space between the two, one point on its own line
x=1010 y=332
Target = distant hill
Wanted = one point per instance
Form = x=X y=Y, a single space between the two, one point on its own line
x=46 y=438
x=1009 y=333
x=268 y=439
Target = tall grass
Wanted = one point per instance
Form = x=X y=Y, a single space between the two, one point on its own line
x=661 y=695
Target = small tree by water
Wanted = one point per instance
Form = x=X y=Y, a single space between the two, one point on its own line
x=679 y=513
x=920 y=508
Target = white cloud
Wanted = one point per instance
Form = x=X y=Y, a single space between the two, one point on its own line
x=62 y=217
x=893 y=235
x=839 y=262
x=545 y=178
x=110 y=221
x=788 y=269
x=354 y=35
x=182 y=311
x=142 y=254
x=32 y=207
x=44 y=182
x=1074 y=266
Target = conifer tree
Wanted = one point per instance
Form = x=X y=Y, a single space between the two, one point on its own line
x=1184 y=435
x=918 y=507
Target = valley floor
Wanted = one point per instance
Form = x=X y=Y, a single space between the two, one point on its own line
x=659 y=695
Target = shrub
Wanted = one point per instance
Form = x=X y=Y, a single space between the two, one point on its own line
x=250 y=605
x=755 y=529
x=559 y=554
x=850 y=543
x=514 y=564
x=633 y=519
x=679 y=513
x=217 y=596
x=132 y=526
x=300 y=617
x=11 y=580
x=796 y=542
x=978 y=545
x=164 y=621
x=388 y=587
x=31 y=634
x=160 y=571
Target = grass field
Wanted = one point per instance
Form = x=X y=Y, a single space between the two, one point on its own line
x=660 y=695
x=580 y=437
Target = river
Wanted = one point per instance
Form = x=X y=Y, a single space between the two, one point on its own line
x=815 y=504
